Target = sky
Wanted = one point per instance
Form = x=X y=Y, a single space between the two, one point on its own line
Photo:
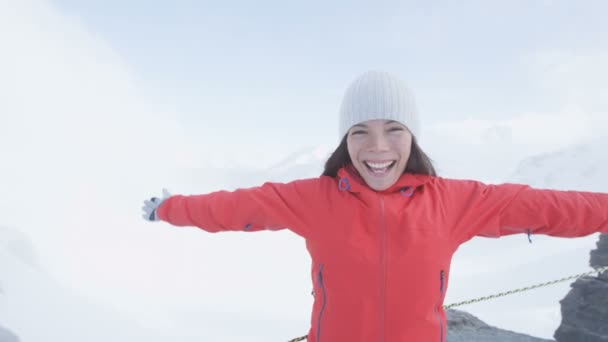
x=103 y=103
x=245 y=75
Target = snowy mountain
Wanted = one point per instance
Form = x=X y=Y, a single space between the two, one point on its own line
x=307 y=162
x=20 y=245
x=582 y=167
x=35 y=308
x=7 y=335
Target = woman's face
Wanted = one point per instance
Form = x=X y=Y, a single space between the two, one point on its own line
x=379 y=150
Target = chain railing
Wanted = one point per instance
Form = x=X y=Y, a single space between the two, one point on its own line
x=523 y=289
x=502 y=294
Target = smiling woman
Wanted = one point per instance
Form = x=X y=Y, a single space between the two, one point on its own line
x=379 y=125
x=378 y=215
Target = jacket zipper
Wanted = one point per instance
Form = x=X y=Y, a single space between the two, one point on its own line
x=383 y=271
x=322 y=286
x=441 y=289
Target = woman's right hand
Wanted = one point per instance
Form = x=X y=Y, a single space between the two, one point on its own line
x=151 y=206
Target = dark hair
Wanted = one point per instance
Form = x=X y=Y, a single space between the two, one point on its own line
x=418 y=163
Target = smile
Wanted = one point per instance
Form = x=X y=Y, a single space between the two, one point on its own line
x=379 y=167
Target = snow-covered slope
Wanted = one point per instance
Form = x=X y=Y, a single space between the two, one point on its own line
x=308 y=162
x=37 y=309
x=582 y=167
x=7 y=335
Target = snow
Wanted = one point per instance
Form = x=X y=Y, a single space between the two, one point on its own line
x=36 y=308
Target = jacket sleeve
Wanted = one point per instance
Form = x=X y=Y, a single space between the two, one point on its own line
x=297 y=205
x=477 y=209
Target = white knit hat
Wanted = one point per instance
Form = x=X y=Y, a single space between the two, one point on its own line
x=378 y=95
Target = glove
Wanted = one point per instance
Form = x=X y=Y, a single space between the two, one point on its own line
x=151 y=205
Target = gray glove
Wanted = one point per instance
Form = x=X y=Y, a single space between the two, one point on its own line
x=151 y=205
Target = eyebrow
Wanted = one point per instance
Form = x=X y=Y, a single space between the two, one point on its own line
x=365 y=126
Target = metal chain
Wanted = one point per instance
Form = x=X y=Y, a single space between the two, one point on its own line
x=502 y=294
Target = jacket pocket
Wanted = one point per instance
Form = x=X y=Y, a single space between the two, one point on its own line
x=323 y=300
x=442 y=328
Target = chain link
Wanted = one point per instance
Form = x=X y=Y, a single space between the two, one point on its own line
x=502 y=294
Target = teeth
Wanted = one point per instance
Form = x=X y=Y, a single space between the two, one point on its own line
x=379 y=165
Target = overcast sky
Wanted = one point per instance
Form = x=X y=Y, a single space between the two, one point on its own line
x=267 y=76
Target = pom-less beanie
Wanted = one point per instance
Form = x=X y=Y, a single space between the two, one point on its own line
x=378 y=95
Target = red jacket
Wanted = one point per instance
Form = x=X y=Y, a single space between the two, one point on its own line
x=381 y=260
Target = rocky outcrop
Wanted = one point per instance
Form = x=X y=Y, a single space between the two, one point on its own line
x=7 y=336
x=599 y=256
x=585 y=307
x=464 y=327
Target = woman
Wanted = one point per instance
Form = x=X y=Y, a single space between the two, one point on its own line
x=380 y=226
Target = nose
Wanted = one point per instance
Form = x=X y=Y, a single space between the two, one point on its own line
x=378 y=142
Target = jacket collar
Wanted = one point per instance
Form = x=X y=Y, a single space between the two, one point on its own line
x=349 y=179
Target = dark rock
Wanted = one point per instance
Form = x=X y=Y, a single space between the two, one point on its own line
x=585 y=307
x=464 y=327
x=599 y=256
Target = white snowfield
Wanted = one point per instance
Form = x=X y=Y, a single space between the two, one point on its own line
x=36 y=308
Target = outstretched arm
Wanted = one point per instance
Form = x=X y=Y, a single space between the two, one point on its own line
x=497 y=210
x=296 y=205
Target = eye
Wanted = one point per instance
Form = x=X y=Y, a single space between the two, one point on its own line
x=395 y=129
x=357 y=132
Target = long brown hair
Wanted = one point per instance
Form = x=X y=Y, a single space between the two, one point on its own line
x=418 y=163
